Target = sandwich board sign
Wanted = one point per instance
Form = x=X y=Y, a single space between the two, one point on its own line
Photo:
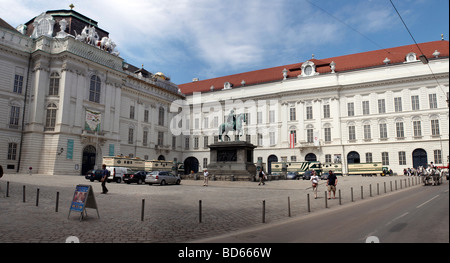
x=83 y=198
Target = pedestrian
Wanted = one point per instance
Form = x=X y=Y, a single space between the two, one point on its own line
x=205 y=177
x=315 y=183
x=331 y=183
x=262 y=177
x=104 y=179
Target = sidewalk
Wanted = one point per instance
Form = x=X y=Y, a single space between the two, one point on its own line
x=171 y=213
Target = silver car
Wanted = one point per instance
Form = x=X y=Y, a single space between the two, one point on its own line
x=162 y=178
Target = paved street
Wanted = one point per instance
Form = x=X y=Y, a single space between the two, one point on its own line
x=171 y=212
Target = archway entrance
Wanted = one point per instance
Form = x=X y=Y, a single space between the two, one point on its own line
x=310 y=157
x=190 y=164
x=420 y=158
x=161 y=158
x=88 y=160
x=270 y=160
x=353 y=157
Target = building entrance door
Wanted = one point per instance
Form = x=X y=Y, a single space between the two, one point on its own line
x=89 y=154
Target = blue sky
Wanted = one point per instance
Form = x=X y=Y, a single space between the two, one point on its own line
x=203 y=39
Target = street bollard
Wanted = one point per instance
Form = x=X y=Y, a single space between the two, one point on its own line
x=378 y=189
x=362 y=193
x=289 y=206
x=200 y=211
x=23 y=193
x=351 y=192
x=37 y=197
x=7 y=189
x=326 y=202
x=340 y=203
x=142 y=209
x=391 y=185
x=309 y=205
x=57 y=201
x=370 y=190
x=264 y=211
x=384 y=187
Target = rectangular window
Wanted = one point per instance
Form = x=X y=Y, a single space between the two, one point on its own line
x=328 y=158
x=310 y=135
x=326 y=111
x=327 y=134
x=12 y=151
x=271 y=116
x=381 y=106
x=309 y=113
x=146 y=112
x=400 y=130
x=383 y=130
x=130 y=135
x=350 y=109
x=205 y=142
x=186 y=143
x=14 y=117
x=145 y=138
x=369 y=158
x=433 y=101
x=437 y=156
x=132 y=112
x=351 y=133
x=272 y=138
x=415 y=102
x=196 y=142
x=50 y=120
x=174 y=142
x=292 y=116
x=18 y=84
x=417 y=128
x=366 y=107
x=367 y=134
x=398 y=104
x=160 y=138
x=385 y=158
x=402 y=158
x=435 y=127
x=205 y=162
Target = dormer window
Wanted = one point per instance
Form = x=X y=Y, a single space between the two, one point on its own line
x=308 y=69
x=43 y=26
x=411 y=57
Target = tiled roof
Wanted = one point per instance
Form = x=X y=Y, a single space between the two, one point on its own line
x=343 y=63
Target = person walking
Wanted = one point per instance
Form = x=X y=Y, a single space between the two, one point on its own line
x=104 y=179
x=262 y=177
x=331 y=183
x=315 y=183
x=205 y=177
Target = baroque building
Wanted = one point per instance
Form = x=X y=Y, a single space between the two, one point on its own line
x=67 y=98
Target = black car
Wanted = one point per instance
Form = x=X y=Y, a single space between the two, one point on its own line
x=307 y=175
x=136 y=177
x=93 y=175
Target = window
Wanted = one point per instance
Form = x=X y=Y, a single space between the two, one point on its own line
x=260 y=139
x=328 y=158
x=294 y=132
x=399 y=129
x=186 y=143
x=12 y=151
x=415 y=102
x=18 y=83
x=327 y=133
x=437 y=156
x=326 y=111
x=293 y=158
x=367 y=134
x=350 y=109
x=53 y=89
x=309 y=113
x=351 y=133
x=381 y=106
x=205 y=123
x=146 y=112
x=402 y=158
x=205 y=142
x=309 y=135
x=292 y=116
x=174 y=142
x=398 y=104
x=132 y=112
x=366 y=107
x=259 y=117
x=417 y=129
x=94 y=89
x=160 y=138
x=14 y=117
x=271 y=116
x=145 y=138
x=205 y=162
x=435 y=127
x=433 y=101
x=195 y=142
x=383 y=131
x=50 y=120
x=130 y=135
x=161 y=116
x=272 y=138
x=369 y=158
x=385 y=158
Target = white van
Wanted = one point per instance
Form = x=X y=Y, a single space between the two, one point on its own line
x=116 y=173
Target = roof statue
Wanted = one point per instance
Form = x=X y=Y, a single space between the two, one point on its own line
x=89 y=36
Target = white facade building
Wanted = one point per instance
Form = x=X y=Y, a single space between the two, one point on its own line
x=67 y=98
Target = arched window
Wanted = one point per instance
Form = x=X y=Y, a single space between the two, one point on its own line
x=94 y=89
x=53 y=89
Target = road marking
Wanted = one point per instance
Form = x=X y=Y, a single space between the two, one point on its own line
x=424 y=203
x=398 y=217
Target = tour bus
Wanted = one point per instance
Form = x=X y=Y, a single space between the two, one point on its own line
x=365 y=169
x=135 y=164
x=158 y=165
x=297 y=167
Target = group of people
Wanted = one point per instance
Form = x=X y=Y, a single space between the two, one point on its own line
x=331 y=183
x=417 y=172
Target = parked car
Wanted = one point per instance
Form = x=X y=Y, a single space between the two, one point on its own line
x=324 y=176
x=162 y=178
x=116 y=173
x=136 y=177
x=292 y=176
x=307 y=175
x=93 y=175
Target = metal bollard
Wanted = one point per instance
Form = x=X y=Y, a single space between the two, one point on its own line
x=370 y=190
x=309 y=205
x=264 y=211
x=37 y=197
x=362 y=193
x=326 y=202
x=142 y=209
x=351 y=193
x=7 y=189
x=340 y=203
x=57 y=201
x=289 y=206
x=200 y=211
x=23 y=193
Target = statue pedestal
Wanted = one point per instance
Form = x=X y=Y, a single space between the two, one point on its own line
x=232 y=161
